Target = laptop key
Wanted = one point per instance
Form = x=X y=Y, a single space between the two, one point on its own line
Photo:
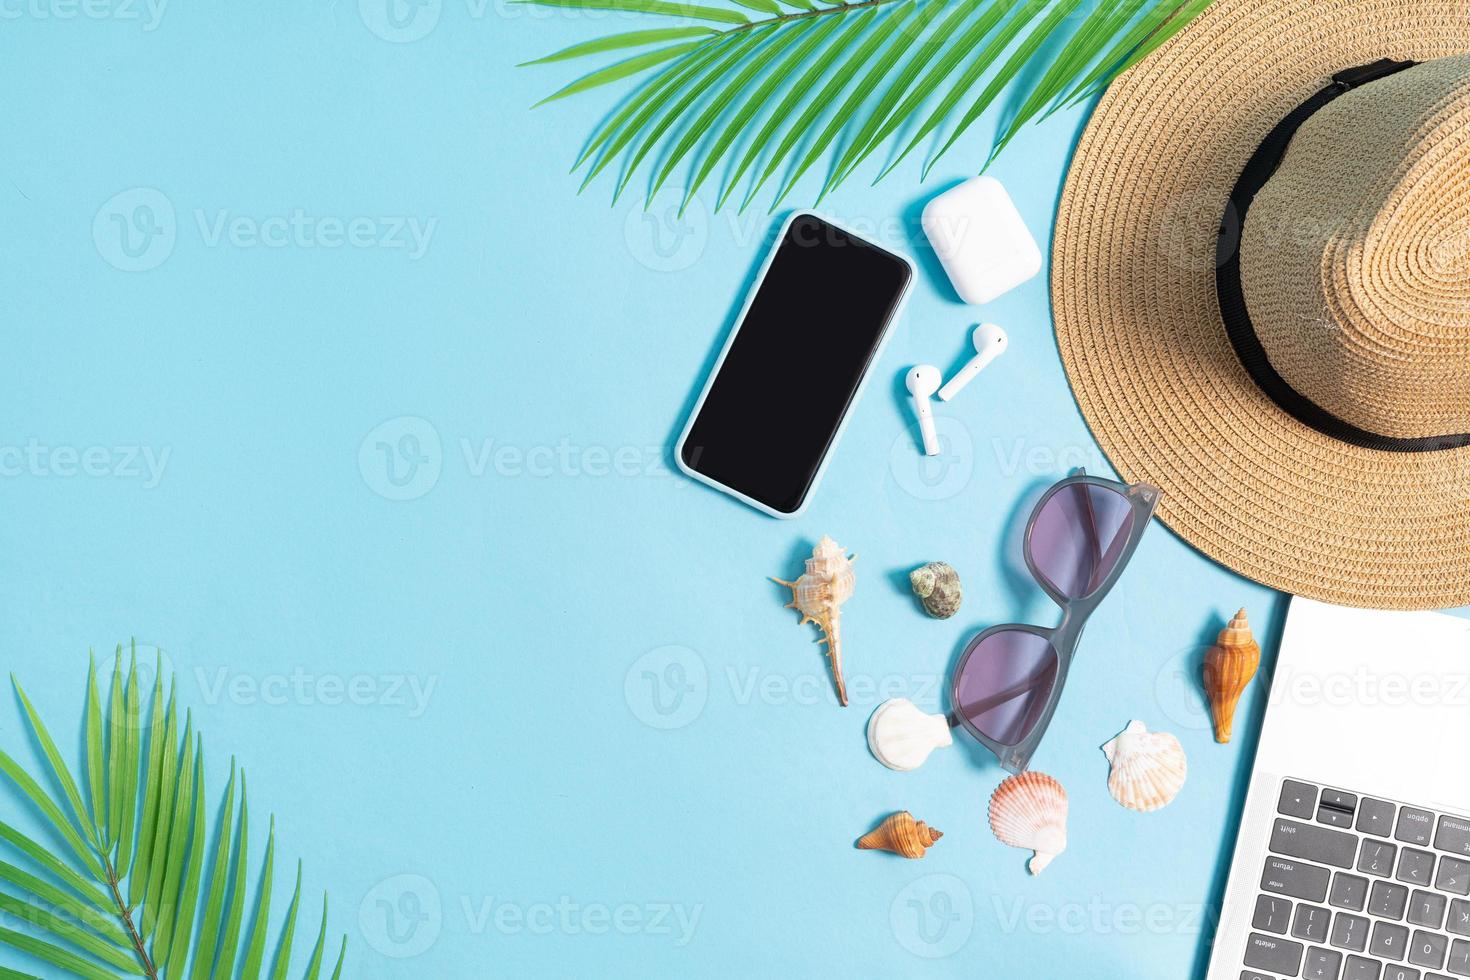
x=1453 y=835
x=1297 y=799
x=1252 y=975
x=1319 y=844
x=1311 y=923
x=1459 y=961
x=1453 y=877
x=1459 y=922
x=1272 y=915
x=1293 y=878
x=1348 y=892
x=1321 y=964
x=1416 y=867
x=1428 y=949
x=1377 y=857
x=1389 y=942
x=1388 y=901
x=1400 y=973
x=1375 y=817
x=1415 y=826
x=1358 y=968
x=1427 y=909
x=1350 y=932
x=1337 y=808
x=1273 y=955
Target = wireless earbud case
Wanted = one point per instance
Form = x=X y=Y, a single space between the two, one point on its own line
x=981 y=240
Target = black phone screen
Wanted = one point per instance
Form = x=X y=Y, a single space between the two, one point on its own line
x=788 y=378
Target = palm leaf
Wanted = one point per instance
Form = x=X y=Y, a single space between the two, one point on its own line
x=66 y=907
x=893 y=64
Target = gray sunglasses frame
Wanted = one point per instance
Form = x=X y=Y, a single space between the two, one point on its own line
x=1142 y=499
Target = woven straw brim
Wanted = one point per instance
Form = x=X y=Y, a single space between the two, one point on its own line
x=1139 y=328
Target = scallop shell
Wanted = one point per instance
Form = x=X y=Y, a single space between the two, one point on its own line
x=1029 y=811
x=1229 y=666
x=901 y=834
x=1148 y=768
x=901 y=736
x=825 y=585
x=938 y=587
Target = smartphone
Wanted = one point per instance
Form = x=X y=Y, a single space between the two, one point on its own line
x=776 y=403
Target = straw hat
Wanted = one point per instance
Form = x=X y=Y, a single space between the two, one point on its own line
x=1261 y=287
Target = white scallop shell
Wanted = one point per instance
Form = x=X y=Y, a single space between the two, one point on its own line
x=1030 y=811
x=901 y=736
x=1149 y=768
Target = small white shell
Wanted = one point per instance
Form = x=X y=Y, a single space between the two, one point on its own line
x=1148 y=768
x=901 y=736
x=1029 y=811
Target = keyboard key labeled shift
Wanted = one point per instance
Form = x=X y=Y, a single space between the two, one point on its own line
x=1311 y=843
x=1453 y=835
x=1296 y=879
x=1297 y=799
x=1415 y=826
x=1273 y=955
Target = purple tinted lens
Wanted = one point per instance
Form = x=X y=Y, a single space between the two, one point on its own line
x=1078 y=536
x=1005 y=684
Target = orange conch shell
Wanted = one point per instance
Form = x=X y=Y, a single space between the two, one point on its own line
x=1229 y=666
x=901 y=834
x=825 y=585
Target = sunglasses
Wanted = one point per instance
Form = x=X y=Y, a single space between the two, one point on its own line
x=1009 y=679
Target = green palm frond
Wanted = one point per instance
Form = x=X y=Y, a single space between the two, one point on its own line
x=136 y=890
x=794 y=81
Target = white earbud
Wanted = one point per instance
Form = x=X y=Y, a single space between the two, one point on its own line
x=990 y=343
x=923 y=381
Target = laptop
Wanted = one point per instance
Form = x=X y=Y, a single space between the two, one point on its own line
x=1353 y=858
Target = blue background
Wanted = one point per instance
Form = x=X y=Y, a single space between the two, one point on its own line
x=440 y=477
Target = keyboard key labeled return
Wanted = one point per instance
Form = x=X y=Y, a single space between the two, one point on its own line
x=1416 y=867
x=1296 y=879
x=1319 y=844
x=1454 y=876
x=1415 y=826
x=1453 y=835
x=1273 y=955
x=1350 y=932
x=1297 y=799
x=1348 y=892
x=1375 y=817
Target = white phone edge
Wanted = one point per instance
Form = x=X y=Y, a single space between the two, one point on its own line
x=862 y=385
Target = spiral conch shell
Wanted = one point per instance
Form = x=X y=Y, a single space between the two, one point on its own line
x=1229 y=666
x=1148 y=768
x=938 y=587
x=825 y=585
x=1029 y=811
x=901 y=736
x=901 y=834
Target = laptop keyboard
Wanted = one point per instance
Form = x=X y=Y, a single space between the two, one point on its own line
x=1358 y=888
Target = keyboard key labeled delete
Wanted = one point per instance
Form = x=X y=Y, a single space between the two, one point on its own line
x=1310 y=843
x=1273 y=955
